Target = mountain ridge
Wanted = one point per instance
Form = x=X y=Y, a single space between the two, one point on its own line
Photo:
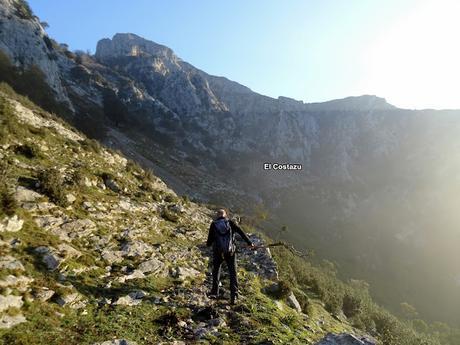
x=365 y=169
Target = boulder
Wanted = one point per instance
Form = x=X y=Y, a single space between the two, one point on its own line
x=293 y=303
x=344 y=339
x=112 y=256
x=117 y=342
x=44 y=294
x=183 y=273
x=10 y=263
x=133 y=298
x=73 y=300
x=49 y=257
x=70 y=198
x=112 y=185
x=20 y=283
x=136 y=248
x=23 y=194
x=11 y=224
x=10 y=301
x=8 y=321
x=78 y=228
x=152 y=265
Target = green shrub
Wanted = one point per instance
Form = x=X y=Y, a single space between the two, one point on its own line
x=52 y=185
x=8 y=203
x=91 y=145
x=280 y=290
x=304 y=302
x=23 y=9
x=171 y=198
x=351 y=305
x=28 y=150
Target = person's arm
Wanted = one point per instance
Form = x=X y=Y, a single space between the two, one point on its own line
x=240 y=232
x=210 y=235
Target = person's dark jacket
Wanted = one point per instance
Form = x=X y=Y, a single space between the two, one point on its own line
x=235 y=229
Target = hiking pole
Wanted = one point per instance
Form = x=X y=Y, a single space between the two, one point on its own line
x=282 y=244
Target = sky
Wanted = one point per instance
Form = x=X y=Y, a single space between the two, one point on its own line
x=406 y=51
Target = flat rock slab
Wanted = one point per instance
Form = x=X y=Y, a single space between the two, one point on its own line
x=117 y=342
x=344 y=339
x=11 y=224
x=10 y=301
x=7 y=321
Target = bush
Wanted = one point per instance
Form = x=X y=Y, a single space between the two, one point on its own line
x=352 y=305
x=91 y=145
x=23 y=9
x=28 y=150
x=7 y=201
x=171 y=198
x=52 y=185
x=279 y=290
x=304 y=302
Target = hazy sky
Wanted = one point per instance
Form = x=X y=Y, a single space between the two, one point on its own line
x=406 y=51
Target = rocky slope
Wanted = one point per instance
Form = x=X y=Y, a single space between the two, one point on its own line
x=96 y=250
x=375 y=182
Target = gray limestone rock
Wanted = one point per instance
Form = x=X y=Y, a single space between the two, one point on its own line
x=11 y=224
x=10 y=301
x=344 y=339
x=8 y=321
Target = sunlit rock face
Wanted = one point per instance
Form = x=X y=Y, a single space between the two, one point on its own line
x=25 y=42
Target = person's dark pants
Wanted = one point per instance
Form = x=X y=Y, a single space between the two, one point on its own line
x=217 y=261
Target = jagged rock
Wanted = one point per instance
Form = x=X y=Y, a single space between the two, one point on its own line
x=49 y=222
x=152 y=265
x=344 y=339
x=136 y=274
x=72 y=300
x=117 y=342
x=20 y=283
x=10 y=263
x=11 y=224
x=293 y=303
x=136 y=248
x=8 y=321
x=23 y=194
x=10 y=301
x=70 y=198
x=133 y=298
x=183 y=273
x=111 y=256
x=68 y=251
x=44 y=294
x=49 y=257
x=125 y=205
x=76 y=229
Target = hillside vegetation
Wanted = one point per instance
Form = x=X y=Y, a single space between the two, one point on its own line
x=96 y=248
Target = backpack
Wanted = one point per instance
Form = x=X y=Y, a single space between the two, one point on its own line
x=223 y=243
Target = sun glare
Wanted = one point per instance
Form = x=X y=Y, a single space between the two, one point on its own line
x=415 y=63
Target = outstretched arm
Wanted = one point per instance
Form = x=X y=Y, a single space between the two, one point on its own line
x=240 y=232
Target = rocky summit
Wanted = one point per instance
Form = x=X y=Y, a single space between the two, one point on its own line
x=83 y=262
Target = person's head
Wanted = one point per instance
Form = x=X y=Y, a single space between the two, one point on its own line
x=221 y=213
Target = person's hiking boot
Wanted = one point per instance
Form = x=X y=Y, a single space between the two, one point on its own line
x=234 y=299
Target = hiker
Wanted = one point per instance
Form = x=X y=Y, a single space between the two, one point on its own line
x=222 y=237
